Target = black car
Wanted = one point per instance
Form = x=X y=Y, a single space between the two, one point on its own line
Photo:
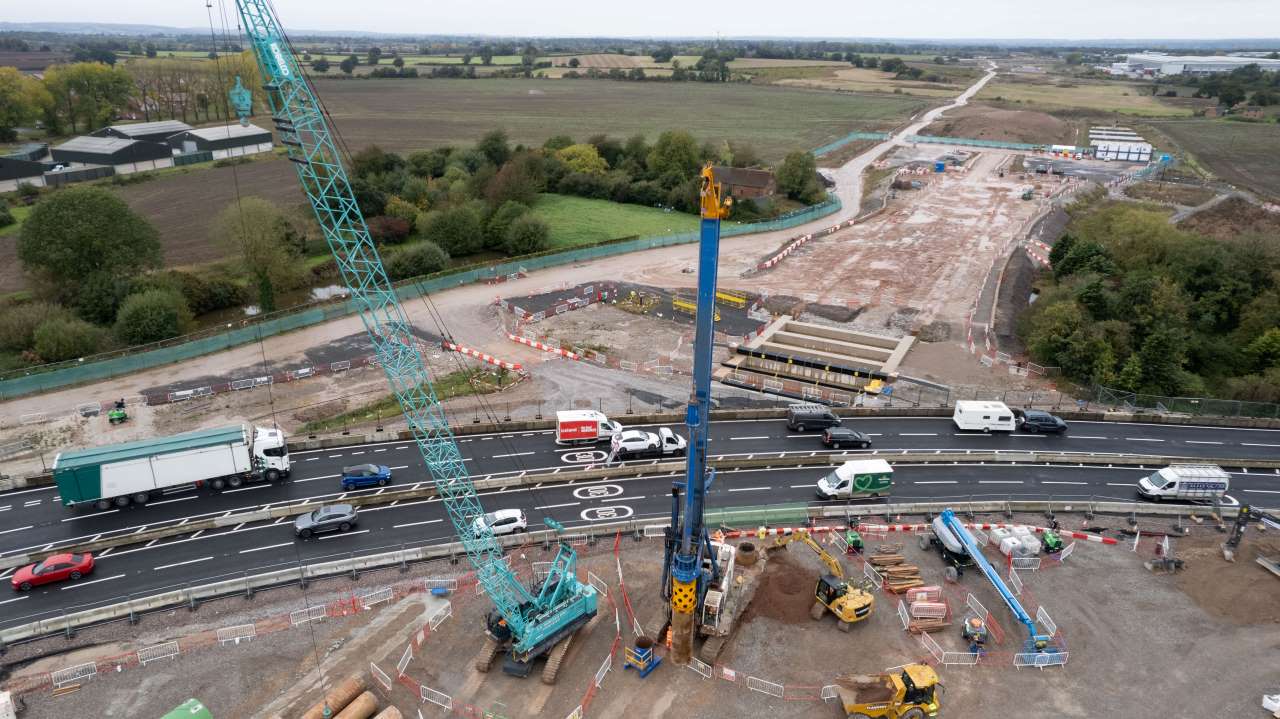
x=333 y=518
x=1035 y=420
x=837 y=437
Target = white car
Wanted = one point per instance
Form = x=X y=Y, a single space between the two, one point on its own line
x=637 y=443
x=503 y=521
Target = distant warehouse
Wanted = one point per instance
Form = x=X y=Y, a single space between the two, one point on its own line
x=1152 y=64
x=125 y=156
x=158 y=131
x=223 y=140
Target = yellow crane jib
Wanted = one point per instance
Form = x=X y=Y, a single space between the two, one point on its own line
x=712 y=206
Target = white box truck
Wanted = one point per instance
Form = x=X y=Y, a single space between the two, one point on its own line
x=983 y=416
x=584 y=426
x=1186 y=482
x=137 y=472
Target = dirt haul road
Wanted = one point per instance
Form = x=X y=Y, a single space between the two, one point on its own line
x=470 y=319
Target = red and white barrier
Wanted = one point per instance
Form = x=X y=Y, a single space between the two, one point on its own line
x=544 y=347
x=490 y=359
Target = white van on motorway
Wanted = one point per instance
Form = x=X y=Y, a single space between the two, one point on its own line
x=1186 y=482
x=983 y=416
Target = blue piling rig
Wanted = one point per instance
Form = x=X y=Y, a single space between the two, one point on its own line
x=686 y=576
x=533 y=619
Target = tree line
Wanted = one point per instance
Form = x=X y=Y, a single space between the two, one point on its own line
x=1140 y=305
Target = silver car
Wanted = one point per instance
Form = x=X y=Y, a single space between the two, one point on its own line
x=332 y=518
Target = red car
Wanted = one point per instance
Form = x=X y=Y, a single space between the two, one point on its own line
x=53 y=569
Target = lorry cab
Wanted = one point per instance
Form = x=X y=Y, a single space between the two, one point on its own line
x=983 y=416
x=857 y=478
x=1186 y=482
x=271 y=452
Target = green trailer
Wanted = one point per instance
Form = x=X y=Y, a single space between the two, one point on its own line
x=190 y=709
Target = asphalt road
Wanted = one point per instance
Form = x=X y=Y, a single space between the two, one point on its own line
x=35 y=519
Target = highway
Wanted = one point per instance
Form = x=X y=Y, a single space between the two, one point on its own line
x=35 y=519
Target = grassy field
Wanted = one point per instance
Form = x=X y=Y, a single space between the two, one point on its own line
x=578 y=221
x=1242 y=153
x=855 y=79
x=406 y=115
x=19 y=214
x=1051 y=93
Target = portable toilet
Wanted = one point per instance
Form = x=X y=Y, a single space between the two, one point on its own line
x=940 y=166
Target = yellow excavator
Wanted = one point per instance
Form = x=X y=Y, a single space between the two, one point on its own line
x=833 y=593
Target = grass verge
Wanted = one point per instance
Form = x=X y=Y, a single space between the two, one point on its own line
x=455 y=384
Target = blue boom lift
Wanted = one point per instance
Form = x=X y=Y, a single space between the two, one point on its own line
x=530 y=621
x=1037 y=640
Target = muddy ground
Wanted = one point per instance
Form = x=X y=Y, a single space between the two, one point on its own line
x=988 y=123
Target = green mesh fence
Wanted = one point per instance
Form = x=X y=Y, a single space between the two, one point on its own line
x=851 y=137
x=40 y=379
x=974 y=142
x=750 y=517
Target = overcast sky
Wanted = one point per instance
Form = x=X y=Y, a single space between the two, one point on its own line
x=1078 y=19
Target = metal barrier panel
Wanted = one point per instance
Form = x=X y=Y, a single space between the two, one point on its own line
x=975 y=606
x=928 y=610
x=1027 y=563
x=541 y=570
x=380 y=676
x=598 y=583
x=700 y=667
x=655 y=530
x=1062 y=556
x=157 y=651
x=964 y=658
x=376 y=597
x=310 y=614
x=1040 y=661
x=438 y=698
x=340 y=366
x=1043 y=619
x=404 y=660
x=829 y=692
x=575 y=714
x=1015 y=582
x=440 y=615
x=870 y=572
x=931 y=645
x=981 y=536
x=764 y=687
x=234 y=634
x=604 y=669
x=450 y=584
x=74 y=674
x=902 y=614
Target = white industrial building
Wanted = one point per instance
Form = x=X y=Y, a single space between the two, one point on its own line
x=1122 y=151
x=232 y=140
x=1156 y=64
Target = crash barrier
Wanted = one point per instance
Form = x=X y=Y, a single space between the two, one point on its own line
x=157 y=652
x=26 y=381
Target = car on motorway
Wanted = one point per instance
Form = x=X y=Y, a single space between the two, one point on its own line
x=837 y=437
x=503 y=521
x=331 y=518
x=802 y=417
x=56 y=568
x=1035 y=420
x=634 y=443
x=365 y=475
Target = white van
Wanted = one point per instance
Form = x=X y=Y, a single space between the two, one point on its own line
x=983 y=416
x=857 y=478
x=1187 y=482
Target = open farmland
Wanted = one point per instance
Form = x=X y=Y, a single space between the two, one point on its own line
x=406 y=115
x=855 y=79
x=579 y=221
x=1059 y=93
x=1242 y=153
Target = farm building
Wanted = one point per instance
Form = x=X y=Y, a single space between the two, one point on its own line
x=33 y=151
x=148 y=131
x=744 y=184
x=223 y=140
x=125 y=156
x=15 y=170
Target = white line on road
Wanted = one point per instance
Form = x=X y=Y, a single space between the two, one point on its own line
x=263 y=549
x=380 y=450
x=1199 y=441
x=355 y=453
x=558 y=506
x=1255 y=444
x=334 y=456
x=801 y=486
x=749 y=437
x=7 y=572
x=179 y=564
x=310 y=459
x=1264 y=491
x=105 y=552
x=346 y=534
x=95 y=514
x=32 y=503
x=246 y=489
x=312 y=479
x=513 y=454
x=749 y=489
x=416 y=524
x=1028 y=436
x=1048 y=482
x=6 y=508
x=1000 y=481
x=16 y=599
x=917 y=434
x=171 y=501
x=403 y=466
x=1120 y=484
x=1084 y=436
x=93 y=581
x=17 y=529
x=940 y=481
x=1143 y=439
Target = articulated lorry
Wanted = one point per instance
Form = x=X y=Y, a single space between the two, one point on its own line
x=117 y=475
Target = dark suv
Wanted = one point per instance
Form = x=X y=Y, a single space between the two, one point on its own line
x=1035 y=420
x=837 y=437
x=803 y=417
x=333 y=518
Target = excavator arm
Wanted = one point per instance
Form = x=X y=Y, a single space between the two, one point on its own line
x=833 y=565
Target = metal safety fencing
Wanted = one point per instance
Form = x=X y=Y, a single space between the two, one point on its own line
x=237 y=633
x=757 y=684
x=1040 y=660
x=310 y=614
x=74 y=674
x=380 y=676
x=157 y=652
x=374 y=598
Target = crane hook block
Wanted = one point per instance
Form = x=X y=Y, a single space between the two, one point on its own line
x=242 y=101
x=712 y=207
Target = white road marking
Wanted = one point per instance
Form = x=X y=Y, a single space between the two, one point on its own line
x=381 y=450
x=1084 y=436
x=171 y=501
x=6 y=508
x=1143 y=439
x=7 y=572
x=1264 y=491
x=312 y=479
x=403 y=466
x=93 y=581
x=416 y=524
x=95 y=514
x=1121 y=484
x=32 y=503
x=557 y=506
x=105 y=552
x=1028 y=436
x=345 y=534
x=748 y=438
x=263 y=549
x=18 y=529
x=1197 y=441
x=749 y=489
x=197 y=534
x=1255 y=444
x=940 y=481
x=355 y=453
x=246 y=489
x=513 y=454
x=27 y=491
x=310 y=459
x=334 y=456
x=179 y=564
x=1000 y=481
x=16 y=599
x=1048 y=482
x=917 y=434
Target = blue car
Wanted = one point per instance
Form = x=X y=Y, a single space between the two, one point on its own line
x=365 y=475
